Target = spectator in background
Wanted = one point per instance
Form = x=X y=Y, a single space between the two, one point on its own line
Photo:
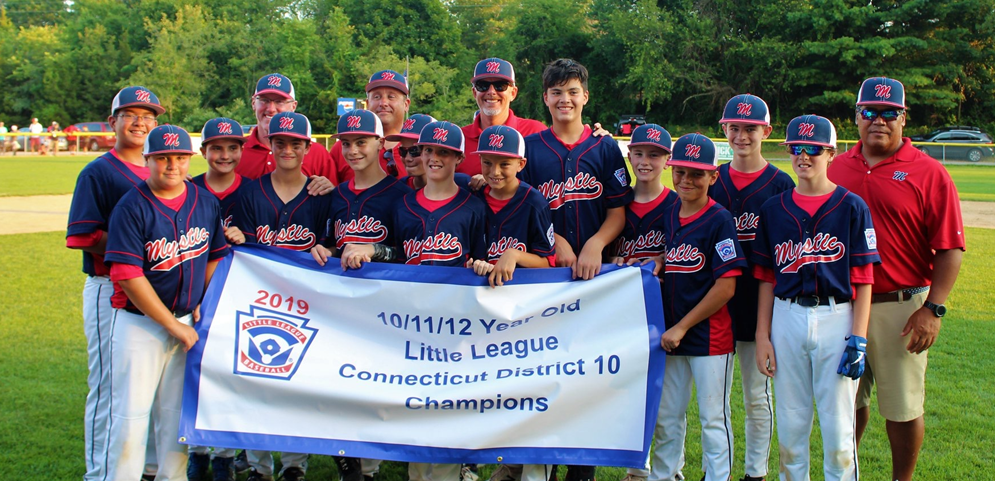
x=12 y=142
x=3 y=138
x=71 y=139
x=36 y=129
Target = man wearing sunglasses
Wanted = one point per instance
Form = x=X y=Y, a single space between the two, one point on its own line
x=920 y=238
x=493 y=87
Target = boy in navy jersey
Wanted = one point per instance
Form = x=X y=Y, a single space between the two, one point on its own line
x=814 y=256
x=702 y=262
x=164 y=242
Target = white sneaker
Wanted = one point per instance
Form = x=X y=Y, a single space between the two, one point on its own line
x=467 y=474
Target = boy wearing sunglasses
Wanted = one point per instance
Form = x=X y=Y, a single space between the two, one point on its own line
x=493 y=87
x=410 y=154
x=813 y=255
x=916 y=209
x=742 y=187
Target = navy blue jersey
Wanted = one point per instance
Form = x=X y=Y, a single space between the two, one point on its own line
x=173 y=248
x=812 y=255
x=227 y=199
x=99 y=187
x=643 y=237
x=366 y=217
x=744 y=205
x=297 y=225
x=524 y=223
x=448 y=236
x=698 y=254
x=580 y=184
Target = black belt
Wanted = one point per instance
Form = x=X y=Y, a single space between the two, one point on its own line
x=176 y=314
x=894 y=296
x=813 y=301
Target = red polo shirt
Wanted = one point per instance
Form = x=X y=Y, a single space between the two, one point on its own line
x=257 y=160
x=914 y=207
x=471 y=164
x=346 y=173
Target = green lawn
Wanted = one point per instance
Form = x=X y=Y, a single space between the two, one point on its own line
x=43 y=372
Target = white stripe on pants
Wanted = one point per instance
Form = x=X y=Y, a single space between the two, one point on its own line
x=712 y=376
x=808 y=345
x=147 y=366
x=759 y=407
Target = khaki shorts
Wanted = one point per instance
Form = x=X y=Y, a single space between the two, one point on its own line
x=899 y=374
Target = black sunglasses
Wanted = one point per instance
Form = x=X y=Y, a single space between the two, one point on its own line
x=414 y=151
x=887 y=115
x=499 y=85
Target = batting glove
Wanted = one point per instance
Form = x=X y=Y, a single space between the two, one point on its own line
x=852 y=364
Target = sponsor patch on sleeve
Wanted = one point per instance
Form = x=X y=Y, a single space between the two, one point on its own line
x=726 y=250
x=620 y=175
x=871 y=238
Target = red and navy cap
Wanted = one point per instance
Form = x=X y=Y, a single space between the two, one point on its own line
x=695 y=151
x=442 y=134
x=290 y=124
x=810 y=130
x=388 y=78
x=412 y=127
x=275 y=83
x=167 y=139
x=746 y=109
x=882 y=91
x=360 y=122
x=136 y=97
x=651 y=134
x=494 y=68
x=221 y=128
x=501 y=140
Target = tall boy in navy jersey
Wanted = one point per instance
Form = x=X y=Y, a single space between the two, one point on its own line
x=742 y=187
x=164 y=242
x=276 y=210
x=99 y=187
x=221 y=146
x=814 y=255
x=441 y=224
x=519 y=225
x=583 y=177
x=642 y=239
x=702 y=262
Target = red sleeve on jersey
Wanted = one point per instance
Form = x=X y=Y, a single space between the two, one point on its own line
x=552 y=260
x=80 y=241
x=123 y=272
x=732 y=273
x=862 y=274
x=764 y=274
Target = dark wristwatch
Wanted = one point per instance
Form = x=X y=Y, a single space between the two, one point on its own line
x=939 y=310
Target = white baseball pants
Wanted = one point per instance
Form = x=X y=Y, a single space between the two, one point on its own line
x=759 y=405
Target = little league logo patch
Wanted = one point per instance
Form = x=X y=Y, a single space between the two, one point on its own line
x=692 y=151
x=871 y=238
x=224 y=127
x=269 y=343
x=496 y=141
x=726 y=250
x=882 y=91
x=143 y=95
x=286 y=123
x=744 y=108
x=353 y=121
x=440 y=134
x=171 y=139
x=806 y=130
x=620 y=176
x=273 y=81
x=493 y=67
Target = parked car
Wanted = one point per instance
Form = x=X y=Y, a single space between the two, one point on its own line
x=95 y=142
x=627 y=123
x=966 y=136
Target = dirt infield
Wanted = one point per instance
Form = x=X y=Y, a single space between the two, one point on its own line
x=46 y=213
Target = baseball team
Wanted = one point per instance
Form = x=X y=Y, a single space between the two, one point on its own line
x=820 y=290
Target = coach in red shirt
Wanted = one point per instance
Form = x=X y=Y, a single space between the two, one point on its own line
x=920 y=238
x=493 y=87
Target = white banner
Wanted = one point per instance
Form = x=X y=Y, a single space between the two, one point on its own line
x=429 y=364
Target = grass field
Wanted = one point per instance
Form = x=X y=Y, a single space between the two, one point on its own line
x=974 y=182
x=43 y=369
